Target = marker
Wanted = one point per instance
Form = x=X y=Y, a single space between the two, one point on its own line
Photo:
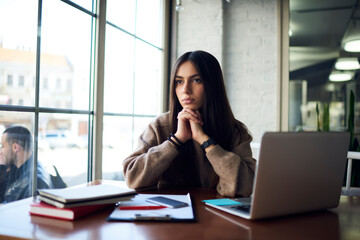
x=141 y=207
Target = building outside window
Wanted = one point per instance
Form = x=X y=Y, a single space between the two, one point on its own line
x=21 y=81
x=9 y=80
x=60 y=115
x=45 y=83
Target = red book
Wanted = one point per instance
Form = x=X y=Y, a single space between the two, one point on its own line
x=44 y=209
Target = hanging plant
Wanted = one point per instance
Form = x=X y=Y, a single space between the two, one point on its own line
x=318 y=118
x=324 y=125
x=326 y=118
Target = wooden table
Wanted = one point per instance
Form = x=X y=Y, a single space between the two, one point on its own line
x=339 y=223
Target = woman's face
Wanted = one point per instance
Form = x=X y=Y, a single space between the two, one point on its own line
x=189 y=87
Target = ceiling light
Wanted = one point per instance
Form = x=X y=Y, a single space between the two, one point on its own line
x=347 y=64
x=340 y=76
x=352 y=46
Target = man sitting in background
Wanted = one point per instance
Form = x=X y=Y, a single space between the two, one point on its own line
x=16 y=166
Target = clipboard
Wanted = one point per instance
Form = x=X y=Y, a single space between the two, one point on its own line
x=183 y=214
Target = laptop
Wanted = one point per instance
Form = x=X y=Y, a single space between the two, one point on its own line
x=296 y=172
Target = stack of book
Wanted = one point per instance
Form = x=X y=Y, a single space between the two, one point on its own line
x=78 y=201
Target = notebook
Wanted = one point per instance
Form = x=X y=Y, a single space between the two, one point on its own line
x=82 y=194
x=296 y=172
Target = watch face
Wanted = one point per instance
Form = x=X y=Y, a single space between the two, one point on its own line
x=208 y=143
x=205 y=145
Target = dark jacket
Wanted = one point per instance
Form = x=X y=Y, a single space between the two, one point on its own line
x=16 y=184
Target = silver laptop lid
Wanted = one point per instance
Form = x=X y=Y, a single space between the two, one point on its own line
x=299 y=172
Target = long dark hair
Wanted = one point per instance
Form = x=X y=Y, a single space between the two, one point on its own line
x=216 y=113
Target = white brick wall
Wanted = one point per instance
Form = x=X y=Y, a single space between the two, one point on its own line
x=242 y=35
x=201 y=27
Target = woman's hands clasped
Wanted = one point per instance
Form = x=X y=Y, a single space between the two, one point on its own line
x=190 y=126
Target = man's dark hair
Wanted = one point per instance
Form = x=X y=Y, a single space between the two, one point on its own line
x=19 y=135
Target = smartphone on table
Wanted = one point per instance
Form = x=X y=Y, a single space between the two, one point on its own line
x=168 y=202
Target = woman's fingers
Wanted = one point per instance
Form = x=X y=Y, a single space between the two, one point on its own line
x=183 y=132
x=197 y=131
x=189 y=125
x=198 y=114
x=190 y=115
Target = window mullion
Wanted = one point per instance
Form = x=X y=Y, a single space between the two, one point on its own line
x=99 y=90
x=37 y=96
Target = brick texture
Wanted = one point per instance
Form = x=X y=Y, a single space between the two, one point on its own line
x=242 y=35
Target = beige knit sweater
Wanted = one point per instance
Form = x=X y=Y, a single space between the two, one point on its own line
x=157 y=163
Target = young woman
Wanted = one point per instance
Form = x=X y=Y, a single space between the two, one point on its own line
x=198 y=143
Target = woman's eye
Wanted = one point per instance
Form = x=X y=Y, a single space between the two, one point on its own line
x=178 y=82
x=197 y=80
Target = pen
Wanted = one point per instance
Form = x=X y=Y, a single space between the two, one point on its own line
x=141 y=207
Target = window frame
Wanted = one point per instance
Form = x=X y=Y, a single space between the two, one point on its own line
x=283 y=21
x=95 y=112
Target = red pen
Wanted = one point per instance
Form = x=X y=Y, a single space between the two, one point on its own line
x=141 y=207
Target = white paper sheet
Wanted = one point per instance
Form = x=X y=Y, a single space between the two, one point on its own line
x=183 y=213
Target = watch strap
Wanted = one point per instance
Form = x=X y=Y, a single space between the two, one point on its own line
x=207 y=143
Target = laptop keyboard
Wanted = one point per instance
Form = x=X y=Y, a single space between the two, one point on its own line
x=244 y=208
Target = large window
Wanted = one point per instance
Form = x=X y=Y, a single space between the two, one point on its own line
x=133 y=66
x=48 y=79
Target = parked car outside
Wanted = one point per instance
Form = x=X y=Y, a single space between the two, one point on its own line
x=61 y=139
